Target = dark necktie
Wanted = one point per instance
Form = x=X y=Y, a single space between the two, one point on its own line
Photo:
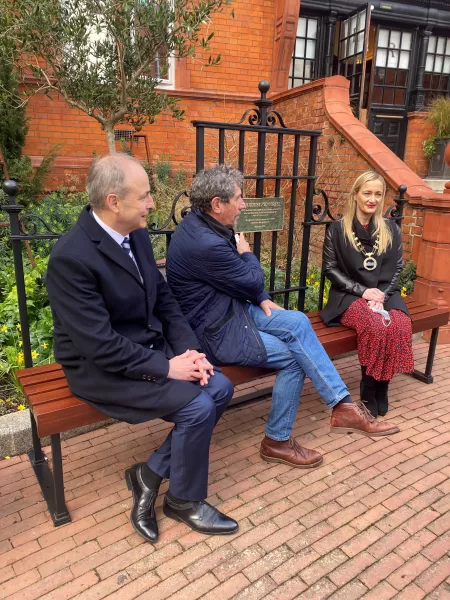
x=126 y=245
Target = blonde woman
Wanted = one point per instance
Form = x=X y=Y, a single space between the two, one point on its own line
x=363 y=259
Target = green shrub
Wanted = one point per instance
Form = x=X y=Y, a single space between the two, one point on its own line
x=439 y=117
x=13 y=122
x=31 y=181
x=429 y=146
x=165 y=184
x=312 y=283
x=39 y=317
x=407 y=277
x=59 y=211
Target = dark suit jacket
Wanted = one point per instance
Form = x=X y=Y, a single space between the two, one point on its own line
x=113 y=335
x=343 y=265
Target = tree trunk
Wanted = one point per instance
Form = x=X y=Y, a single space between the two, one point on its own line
x=109 y=132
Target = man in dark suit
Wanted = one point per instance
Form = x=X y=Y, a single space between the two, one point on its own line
x=127 y=349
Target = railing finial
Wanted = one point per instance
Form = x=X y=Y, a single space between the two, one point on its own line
x=11 y=189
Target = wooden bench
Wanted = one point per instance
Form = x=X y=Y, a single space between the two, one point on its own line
x=54 y=409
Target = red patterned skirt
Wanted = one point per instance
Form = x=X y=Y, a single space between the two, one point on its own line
x=383 y=350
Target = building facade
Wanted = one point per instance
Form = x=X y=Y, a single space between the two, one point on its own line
x=396 y=55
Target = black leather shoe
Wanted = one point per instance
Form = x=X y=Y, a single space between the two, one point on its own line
x=143 y=512
x=201 y=517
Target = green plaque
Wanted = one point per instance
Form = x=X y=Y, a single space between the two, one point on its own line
x=261 y=214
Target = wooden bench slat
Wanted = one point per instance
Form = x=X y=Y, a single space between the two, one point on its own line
x=46 y=387
x=65 y=416
x=43 y=377
x=24 y=373
x=52 y=396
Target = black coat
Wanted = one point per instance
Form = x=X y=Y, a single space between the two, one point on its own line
x=343 y=265
x=113 y=335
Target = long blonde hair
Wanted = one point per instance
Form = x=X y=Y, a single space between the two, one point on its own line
x=381 y=227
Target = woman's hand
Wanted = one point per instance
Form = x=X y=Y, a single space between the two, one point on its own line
x=375 y=305
x=374 y=294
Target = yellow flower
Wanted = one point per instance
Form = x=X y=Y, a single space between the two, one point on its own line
x=20 y=358
x=19 y=326
x=4 y=329
x=21 y=407
x=403 y=289
x=316 y=284
x=403 y=295
x=308 y=281
x=2 y=401
x=44 y=345
x=34 y=354
x=8 y=400
x=7 y=457
x=20 y=344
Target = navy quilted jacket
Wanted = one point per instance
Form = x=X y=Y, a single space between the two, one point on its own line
x=214 y=285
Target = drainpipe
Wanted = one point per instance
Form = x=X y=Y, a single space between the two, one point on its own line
x=419 y=92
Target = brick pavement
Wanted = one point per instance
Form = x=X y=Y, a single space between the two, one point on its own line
x=373 y=522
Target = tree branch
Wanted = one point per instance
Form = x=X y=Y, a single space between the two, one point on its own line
x=135 y=76
x=122 y=71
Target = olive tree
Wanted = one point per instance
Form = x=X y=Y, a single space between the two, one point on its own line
x=106 y=57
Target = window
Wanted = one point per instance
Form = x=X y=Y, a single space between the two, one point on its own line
x=352 y=51
x=393 y=57
x=164 y=70
x=303 y=64
x=437 y=68
x=99 y=33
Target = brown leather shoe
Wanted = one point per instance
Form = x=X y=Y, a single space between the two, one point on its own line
x=289 y=453
x=353 y=417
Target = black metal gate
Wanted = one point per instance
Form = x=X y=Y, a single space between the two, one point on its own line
x=292 y=149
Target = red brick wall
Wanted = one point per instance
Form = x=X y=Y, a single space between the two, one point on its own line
x=419 y=129
x=245 y=44
x=53 y=122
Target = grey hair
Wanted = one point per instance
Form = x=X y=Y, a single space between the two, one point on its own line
x=217 y=182
x=107 y=176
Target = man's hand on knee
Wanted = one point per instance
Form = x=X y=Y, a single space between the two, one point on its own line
x=185 y=368
x=190 y=366
x=206 y=369
x=267 y=306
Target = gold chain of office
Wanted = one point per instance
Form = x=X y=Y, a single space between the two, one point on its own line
x=370 y=262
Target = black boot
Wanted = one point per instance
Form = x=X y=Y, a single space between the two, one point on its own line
x=381 y=394
x=368 y=392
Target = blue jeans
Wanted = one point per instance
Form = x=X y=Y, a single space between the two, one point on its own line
x=294 y=350
x=184 y=456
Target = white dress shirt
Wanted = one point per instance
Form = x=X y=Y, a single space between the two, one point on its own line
x=117 y=237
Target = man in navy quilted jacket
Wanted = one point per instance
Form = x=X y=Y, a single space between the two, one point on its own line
x=219 y=285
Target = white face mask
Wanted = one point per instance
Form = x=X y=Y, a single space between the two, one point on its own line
x=384 y=314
